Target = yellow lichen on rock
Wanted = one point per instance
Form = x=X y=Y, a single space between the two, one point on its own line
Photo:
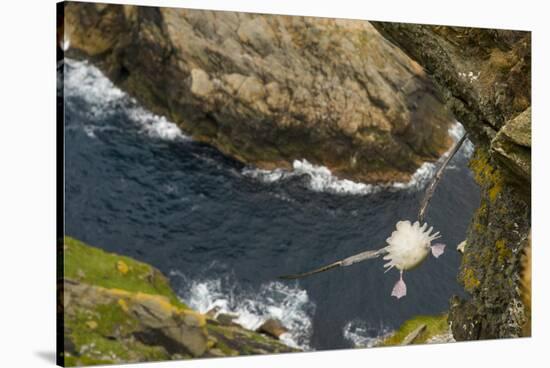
x=122 y=303
x=486 y=174
x=122 y=267
x=470 y=280
x=129 y=312
x=92 y=325
x=494 y=191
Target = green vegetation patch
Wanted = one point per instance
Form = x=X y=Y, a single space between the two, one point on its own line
x=435 y=325
x=96 y=267
x=99 y=329
x=102 y=334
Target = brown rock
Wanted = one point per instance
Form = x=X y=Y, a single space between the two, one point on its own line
x=212 y=312
x=226 y=319
x=331 y=91
x=273 y=328
x=157 y=321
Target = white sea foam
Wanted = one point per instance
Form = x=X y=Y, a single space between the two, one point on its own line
x=287 y=303
x=321 y=179
x=363 y=336
x=87 y=82
x=155 y=125
x=103 y=99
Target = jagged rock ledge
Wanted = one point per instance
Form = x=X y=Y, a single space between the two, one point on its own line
x=484 y=76
x=118 y=310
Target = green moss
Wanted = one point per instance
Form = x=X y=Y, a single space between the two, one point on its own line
x=435 y=325
x=220 y=330
x=262 y=339
x=102 y=336
x=222 y=334
x=236 y=341
x=97 y=267
x=91 y=345
x=104 y=331
x=226 y=349
x=114 y=320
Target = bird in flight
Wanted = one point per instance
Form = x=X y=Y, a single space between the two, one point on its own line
x=407 y=247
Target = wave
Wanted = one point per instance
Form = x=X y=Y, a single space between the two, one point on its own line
x=103 y=99
x=360 y=335
x=84 y=81
x=288 y=303
x=321 y=179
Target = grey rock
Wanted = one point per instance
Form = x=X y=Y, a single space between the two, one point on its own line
x=512 y=145
x=226 y=318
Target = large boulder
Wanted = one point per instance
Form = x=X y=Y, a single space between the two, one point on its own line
x=269 y=89
x=485 y=78
x=272 y=327
x=150 y=319
x=512 y=144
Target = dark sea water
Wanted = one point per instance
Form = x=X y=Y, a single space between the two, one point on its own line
x=223 y=233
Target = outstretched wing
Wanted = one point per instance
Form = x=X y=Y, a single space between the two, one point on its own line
x=360 y=257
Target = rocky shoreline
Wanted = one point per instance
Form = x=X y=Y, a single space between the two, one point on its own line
x=268 y=90
x=118 y=310
x=263 y=90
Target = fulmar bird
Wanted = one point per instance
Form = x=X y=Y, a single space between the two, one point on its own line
x=407 y=247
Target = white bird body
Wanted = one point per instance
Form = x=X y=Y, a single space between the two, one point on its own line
x=409 y=245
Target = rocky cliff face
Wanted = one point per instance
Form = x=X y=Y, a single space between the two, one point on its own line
x=271 y=89
x=118 y=310
x=485 y=78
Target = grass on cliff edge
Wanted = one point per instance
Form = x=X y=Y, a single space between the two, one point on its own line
x=435 y=325
x=94 y=266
